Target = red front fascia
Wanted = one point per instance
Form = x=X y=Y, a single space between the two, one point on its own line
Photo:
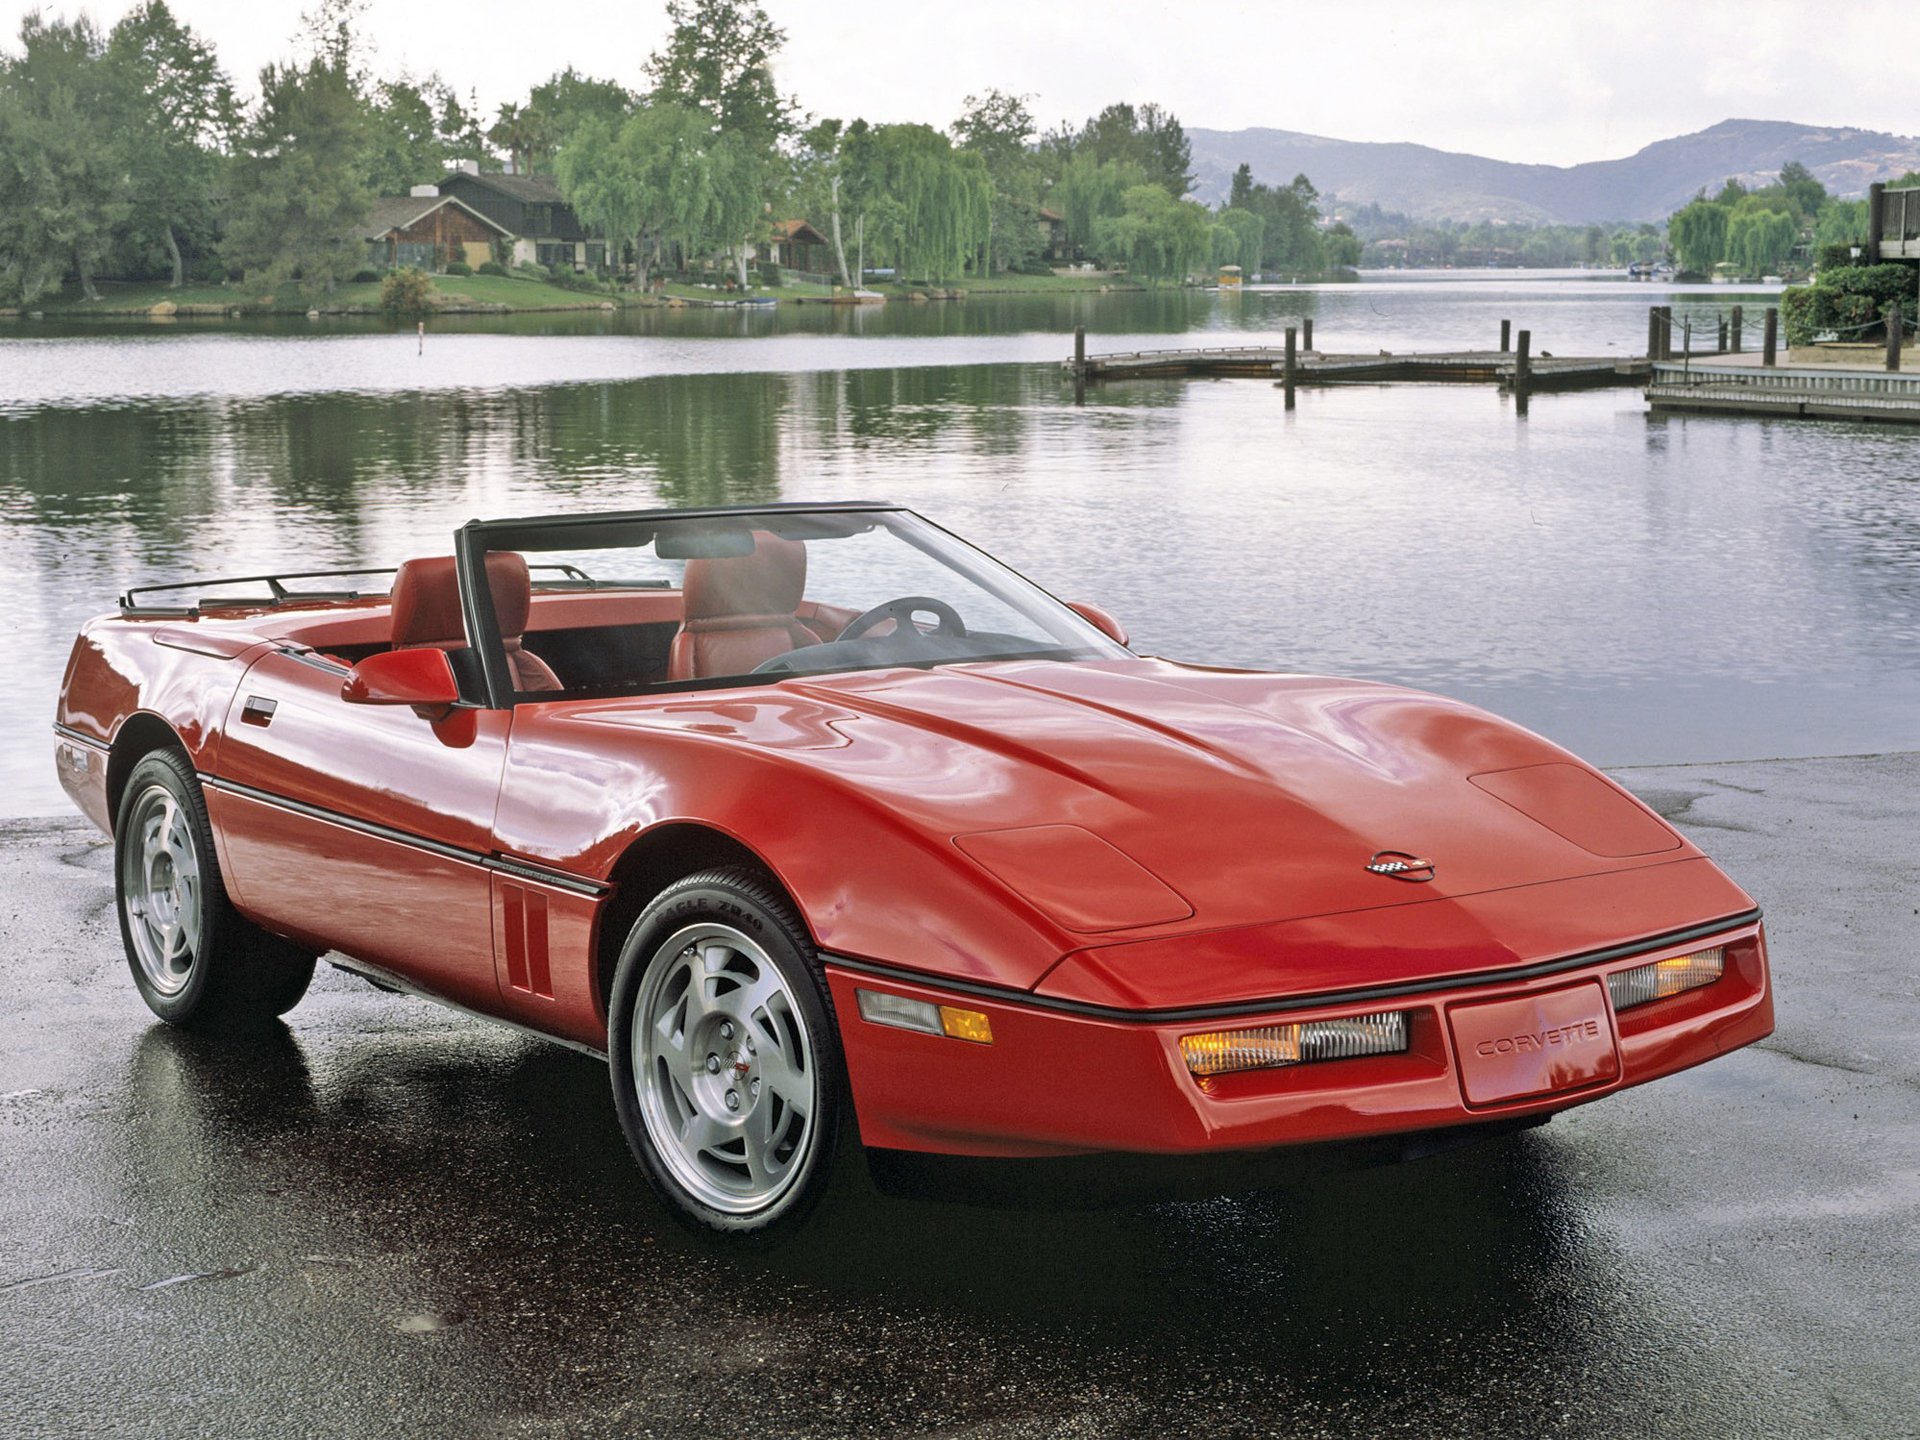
x=1059 y=1082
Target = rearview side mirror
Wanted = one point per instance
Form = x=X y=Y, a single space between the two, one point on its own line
x=420 y=678
x=1100 y=620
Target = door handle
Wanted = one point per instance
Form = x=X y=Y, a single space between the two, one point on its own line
x=258 y=710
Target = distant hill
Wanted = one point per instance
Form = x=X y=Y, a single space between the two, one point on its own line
x=1650 y=185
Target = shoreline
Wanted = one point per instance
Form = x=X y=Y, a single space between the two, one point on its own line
x=488 y=295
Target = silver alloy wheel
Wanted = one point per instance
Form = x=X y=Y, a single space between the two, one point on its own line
x=724 y=1069
x=160 y=883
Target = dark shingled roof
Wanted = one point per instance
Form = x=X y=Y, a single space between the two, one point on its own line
x=532 y=189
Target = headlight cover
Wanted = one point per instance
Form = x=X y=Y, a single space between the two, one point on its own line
x=1646 y=983
x=1260 y=1047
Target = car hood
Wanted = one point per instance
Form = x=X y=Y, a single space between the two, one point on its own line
x=1146 y=796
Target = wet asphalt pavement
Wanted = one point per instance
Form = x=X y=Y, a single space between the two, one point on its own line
x=386 y=1218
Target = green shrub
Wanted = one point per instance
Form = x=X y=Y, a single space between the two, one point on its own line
x=1835 y=257
x=770 y=275
x=1798 y=307
x=492 y=267
x=568 y=279
x=406 y=292
x=459 y=267
x=1849 y=300
x=365 y=277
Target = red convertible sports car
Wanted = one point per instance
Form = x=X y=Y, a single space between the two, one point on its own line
x=818 y=823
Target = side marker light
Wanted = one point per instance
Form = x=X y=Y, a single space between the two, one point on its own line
x=903 y=1014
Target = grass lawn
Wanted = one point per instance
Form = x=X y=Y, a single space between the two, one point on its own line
x=287 y=300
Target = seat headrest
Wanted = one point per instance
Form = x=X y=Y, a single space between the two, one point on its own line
x=770 y=581
x=426 y=599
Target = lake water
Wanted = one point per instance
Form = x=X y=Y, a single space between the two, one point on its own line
x=1642 y=589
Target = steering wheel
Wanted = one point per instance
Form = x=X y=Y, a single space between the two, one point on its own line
x=901 y=612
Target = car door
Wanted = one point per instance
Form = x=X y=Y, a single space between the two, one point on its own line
x=363 y=828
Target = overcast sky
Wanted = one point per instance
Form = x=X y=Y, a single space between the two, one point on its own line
x=1548 y=81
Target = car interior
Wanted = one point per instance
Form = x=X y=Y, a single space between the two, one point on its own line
x=731 y=614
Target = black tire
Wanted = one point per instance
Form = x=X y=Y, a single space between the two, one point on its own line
x=713 y=935
x=194 y=958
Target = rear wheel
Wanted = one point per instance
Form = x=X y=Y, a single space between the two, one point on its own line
x=725 y=1062
x=194 y=958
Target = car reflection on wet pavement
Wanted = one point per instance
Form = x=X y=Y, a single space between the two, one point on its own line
x=386 y=1218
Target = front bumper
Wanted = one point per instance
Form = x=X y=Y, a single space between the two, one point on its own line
x=1063 y=1079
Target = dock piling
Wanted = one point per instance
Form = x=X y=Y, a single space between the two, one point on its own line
x=1736 y=330
x=1506 y=336
x=1653 y=333
x=1306 y=333
x=1895 y=323
x=1770 y=338
x=1723 y=335
x=1523 y=364
x=1289 y=366
x=1080 y=350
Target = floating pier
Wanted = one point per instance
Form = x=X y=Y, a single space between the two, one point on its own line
x=1268 y=362
x=1725 y=379
x=1810 y=392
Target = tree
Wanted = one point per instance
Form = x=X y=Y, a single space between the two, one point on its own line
x=1759 y=239
x=926 y=205
x=1157 y=236
x=719 y=60
x=299 y=195
x=1341 y=246
x=816 y=183
x=1841 y=222
x=1806 y=192
x=1246 y=232
x=63 y=188
x=1091 y=190
x=524 y=134
x=650 y=181
x=1148 y=136
x=175 y=115
x=999 y=128
x=1698 y=233
x=403 y=145
x=1240 y=195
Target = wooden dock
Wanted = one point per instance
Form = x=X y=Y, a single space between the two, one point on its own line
x=1811 y=392
x=1267 y=362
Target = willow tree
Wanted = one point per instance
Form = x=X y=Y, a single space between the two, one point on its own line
x=927 y=206
x=1698 y=233
x=1158 y=237
x=655 y=180
x=1759 y=239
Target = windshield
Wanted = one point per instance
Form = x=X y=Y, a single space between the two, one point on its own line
x=625 y=605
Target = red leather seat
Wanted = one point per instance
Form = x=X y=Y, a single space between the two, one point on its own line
x=740 y=610
x=426 y=612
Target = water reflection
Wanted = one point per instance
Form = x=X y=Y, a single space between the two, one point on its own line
x=452 y=1179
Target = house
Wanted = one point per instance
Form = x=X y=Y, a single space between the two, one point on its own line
x=428 y=230
x=796 y=245
x=530 y=209
x=1054 y=244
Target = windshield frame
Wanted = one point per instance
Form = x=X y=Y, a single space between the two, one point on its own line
x=534 y=535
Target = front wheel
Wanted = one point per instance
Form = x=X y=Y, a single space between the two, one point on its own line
x=725 y=1063
x=193 y=957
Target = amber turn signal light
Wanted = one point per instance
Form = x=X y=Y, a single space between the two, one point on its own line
x=904 y=1014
